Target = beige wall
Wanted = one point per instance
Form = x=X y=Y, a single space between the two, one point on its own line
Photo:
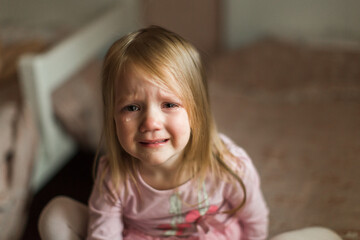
x=247 y=20
x=196 y=20
x=208 y=23
x=50 y=13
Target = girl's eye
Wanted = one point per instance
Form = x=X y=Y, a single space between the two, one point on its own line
x=131 y=108
x=170 y=105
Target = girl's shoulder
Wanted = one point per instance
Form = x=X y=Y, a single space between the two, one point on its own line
x=104 y=175
x=102 y=166
x=112 y=180
x=102 y=171
x=238 y=152
x=239 y=161
x=115 y=190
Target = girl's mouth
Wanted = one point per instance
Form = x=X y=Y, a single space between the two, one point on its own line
x=154 y=143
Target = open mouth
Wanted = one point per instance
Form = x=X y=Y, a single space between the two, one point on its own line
x=156 y=142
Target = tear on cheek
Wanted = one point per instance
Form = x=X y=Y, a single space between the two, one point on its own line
x=126 y=119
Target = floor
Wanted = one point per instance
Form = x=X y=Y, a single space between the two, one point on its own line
x=74 y=180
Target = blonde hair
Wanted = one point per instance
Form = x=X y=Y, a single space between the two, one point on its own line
x=158 y=52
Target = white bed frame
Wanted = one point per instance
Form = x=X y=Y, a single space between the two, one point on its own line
x=42 y=73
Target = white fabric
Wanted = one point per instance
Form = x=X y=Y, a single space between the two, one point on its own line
x=311 y=233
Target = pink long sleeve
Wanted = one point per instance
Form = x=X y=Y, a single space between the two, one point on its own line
x=253 y=217
x=105 y=211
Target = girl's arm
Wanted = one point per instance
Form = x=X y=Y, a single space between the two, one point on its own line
x=105 y=211
x=253 y=217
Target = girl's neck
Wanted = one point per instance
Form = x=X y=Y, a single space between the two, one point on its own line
x=163 y=177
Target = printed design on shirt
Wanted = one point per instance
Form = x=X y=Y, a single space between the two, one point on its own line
x=180 y=223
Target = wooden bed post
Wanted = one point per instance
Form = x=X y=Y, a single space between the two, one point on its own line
x=42 y=73
x=54 y=145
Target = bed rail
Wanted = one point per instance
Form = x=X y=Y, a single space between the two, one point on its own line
x=42 y=73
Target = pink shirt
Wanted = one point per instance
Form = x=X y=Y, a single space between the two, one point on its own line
x=190 y=211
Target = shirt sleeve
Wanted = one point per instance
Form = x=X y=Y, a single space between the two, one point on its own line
x=253 y=217
x=105 y=210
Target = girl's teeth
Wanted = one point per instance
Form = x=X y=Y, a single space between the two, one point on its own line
x=155 y=142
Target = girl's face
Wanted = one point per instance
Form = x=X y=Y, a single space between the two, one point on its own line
x=152 y=124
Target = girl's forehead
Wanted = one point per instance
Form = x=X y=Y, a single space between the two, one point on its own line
x=136 y=78
x=136 y=81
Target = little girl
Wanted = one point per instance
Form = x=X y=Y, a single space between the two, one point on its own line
x=167 y=173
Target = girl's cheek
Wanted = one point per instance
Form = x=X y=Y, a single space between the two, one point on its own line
x=123 y=124
x=125 y=118
x=181 y=121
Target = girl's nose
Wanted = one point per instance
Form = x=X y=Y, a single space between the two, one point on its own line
x=151 y=121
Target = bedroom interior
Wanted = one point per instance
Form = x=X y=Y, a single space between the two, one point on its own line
x=284 y=81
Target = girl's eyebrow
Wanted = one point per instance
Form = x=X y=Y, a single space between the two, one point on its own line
x=169 y=94
x=123 y=99
x=119 y=101
x=128 y=96
x=134 y=96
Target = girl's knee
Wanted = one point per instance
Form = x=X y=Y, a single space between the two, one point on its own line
x=51 y=217
x=61 y=215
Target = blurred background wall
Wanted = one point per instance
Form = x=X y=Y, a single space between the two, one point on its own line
x=52 y=13
x=199 y=21
x=208 y=23
x=247 y=20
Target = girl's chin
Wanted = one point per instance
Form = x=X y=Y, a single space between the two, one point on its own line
x=159 y=161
